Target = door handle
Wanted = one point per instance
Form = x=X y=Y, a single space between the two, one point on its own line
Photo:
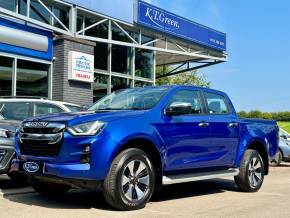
x=233 y=125
x=203 y=124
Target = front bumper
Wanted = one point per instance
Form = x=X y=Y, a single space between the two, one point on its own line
x=63 y=174
x=68 y=171
x=7 y=152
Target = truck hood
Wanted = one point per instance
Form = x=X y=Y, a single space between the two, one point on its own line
x=80 y=117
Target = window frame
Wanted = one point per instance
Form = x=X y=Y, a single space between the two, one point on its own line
x=229 y=108
x=200 y=96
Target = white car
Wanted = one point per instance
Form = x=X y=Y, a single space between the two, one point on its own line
x=22 y=108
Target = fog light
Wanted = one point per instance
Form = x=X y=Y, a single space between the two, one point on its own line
x=86 y=154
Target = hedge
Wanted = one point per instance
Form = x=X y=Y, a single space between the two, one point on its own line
x=279 y=116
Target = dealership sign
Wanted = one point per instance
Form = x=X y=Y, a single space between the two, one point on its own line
x=81 y=67
x=156 y=18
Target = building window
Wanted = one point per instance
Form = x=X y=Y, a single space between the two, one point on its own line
x=62 y=15
x=22 y=7
x=121 y=59
x=119 y=35
x=80 y=23
x=6 y=68
x=32 y=79
x=120 y=83
x=100 y=86
x=8 y=4
x=99 y=31
x=142 y=84
x=101 y=56
x=38 y=12
x=144 y=63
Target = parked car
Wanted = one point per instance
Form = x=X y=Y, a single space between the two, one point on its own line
x=283 y=153
x=134 y=141
x=12 y=112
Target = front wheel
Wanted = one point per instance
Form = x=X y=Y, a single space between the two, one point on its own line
x=130 y=182
x=252 y=171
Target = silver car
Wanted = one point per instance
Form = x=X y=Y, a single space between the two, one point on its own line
x=283 y=153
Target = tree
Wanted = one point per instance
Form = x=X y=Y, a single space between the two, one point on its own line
x=187 y=78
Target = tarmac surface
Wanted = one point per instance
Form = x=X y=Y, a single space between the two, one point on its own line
x=211 y=198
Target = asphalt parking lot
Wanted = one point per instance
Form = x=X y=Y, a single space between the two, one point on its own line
x=212 y=198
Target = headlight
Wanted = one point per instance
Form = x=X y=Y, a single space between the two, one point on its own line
x=86 y=129
x=4 y=133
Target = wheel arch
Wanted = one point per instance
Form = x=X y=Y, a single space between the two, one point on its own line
x=261 y=148
x=151 y=150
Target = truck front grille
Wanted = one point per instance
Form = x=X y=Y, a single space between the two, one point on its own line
x=2 y=154
x=44 y=140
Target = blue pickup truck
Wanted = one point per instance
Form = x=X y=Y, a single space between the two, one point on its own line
x=134 y=141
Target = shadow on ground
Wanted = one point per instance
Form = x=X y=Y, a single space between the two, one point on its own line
x=82 y=199
x=6 y=183
x=281 y=165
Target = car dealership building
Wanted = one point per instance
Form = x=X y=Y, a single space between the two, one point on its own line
x=73 y=51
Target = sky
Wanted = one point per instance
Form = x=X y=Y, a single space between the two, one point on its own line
x=257 y=74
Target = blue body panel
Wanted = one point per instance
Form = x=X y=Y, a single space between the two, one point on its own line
x=181 y=143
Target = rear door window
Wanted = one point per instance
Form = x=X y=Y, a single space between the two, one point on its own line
x=216 y=103
x=15 y=110
x=42 y=108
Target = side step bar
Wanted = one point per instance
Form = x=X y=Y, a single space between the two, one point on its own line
x=168 y=180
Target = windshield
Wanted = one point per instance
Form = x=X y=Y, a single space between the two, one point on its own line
x=15 y=110
x=131 y=99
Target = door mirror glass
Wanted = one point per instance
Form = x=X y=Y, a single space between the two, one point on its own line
x=178 y=108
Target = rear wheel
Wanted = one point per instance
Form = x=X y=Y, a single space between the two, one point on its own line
x=49 y=189
x=130 y=182
x=252 y=171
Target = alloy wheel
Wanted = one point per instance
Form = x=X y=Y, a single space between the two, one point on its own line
x=135 y=180
x=255 y=172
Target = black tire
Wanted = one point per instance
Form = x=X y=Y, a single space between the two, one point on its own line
x=278 y=159
x=121 y=188
x=18 y=178
x=249 y=178
x=49 y=189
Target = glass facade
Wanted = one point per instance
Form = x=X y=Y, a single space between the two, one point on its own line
x=142 y=84
x=32 y=79
x=120 y=83
x=144 y=63
x=6 y=68
x=117 y=66
x=100 y=86
x=38 y=12
x=22 y=6
x=8 y=4
x=121 y=59
x=62 y=15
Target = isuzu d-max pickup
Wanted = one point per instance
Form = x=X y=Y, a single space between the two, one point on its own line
x=134 y=141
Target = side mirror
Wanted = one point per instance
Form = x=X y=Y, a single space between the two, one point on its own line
x=178 y=108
